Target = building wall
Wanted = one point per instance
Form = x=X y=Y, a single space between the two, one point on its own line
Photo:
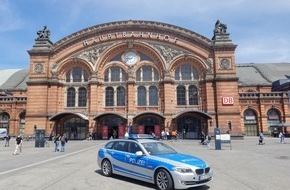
x=166 y=47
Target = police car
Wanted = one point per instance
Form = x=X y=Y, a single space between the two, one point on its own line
x=153 y=161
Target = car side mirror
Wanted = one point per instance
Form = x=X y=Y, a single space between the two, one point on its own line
x=139 y=153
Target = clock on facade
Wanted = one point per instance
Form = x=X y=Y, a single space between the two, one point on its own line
x=130 y=58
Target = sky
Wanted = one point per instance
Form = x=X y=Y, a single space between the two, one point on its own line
x=259 y=28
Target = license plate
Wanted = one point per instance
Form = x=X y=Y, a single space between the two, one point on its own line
x=203 y=177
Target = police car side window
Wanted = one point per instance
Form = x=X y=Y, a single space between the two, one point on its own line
x=109 y=145
x=133 y=148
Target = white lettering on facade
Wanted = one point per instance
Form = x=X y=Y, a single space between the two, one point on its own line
x=166 y=38
x=101 y=37
x=133 y=34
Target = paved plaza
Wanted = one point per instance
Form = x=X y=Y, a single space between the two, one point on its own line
x=244 y=165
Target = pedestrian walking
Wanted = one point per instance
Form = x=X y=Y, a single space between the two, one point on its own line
x=56 y=142
x=282 y=137
x=261 y=138
x=207 y=140
x=63 y=140
x=18 y=145
x=7 y=139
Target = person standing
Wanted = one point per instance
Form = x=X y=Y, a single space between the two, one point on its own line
x=63 y=140
x=56 y=143
x=261 y=138
x=18 y=145
x=7 y=139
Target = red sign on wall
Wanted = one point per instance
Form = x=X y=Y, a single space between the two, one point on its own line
x=228 y=100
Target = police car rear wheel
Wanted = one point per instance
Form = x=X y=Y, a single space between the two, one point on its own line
x=107 y=168
x=163 y=180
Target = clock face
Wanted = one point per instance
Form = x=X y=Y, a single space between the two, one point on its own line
x=130 y=58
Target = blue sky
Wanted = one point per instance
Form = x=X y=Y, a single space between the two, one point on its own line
x=260 y=28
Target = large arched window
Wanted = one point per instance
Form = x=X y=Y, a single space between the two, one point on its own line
x=109 y=96
x=153 y=96
x=141 y=96
x=82 y=97
x=186 y=72
x=147 y=73
x=192 y=95
x=71 y=97
x=273 y=116
x=181 y=95
x=76 y=74
x=115 y=73
x=121 y=96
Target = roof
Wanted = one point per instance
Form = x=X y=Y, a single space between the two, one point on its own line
x=14 y=79
x=262 y=73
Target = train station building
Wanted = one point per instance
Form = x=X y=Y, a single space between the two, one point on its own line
x=149 y=75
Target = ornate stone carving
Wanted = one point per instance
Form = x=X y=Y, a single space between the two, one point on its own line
x=168 y=52
x=209 y=65
x=38 y=68
x=92 y=55
x=225 y=63
x=43 y=34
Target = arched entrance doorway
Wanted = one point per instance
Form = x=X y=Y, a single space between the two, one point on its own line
x=250 y=121
x=73 y=125
x=191 y=124
x=148 y=123
x=110 y=125
x=273 y=117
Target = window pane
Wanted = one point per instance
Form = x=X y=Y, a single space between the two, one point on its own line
x=147 y=73
x=153 y=96
x=82 y=97
x=121 y=96
x=192 y=95
x=180 y=95
x=71 y=97
x=177 y=73
x=115 y=74
x=77 y=74
x=141 y=96
x=186 y=72
x=109 y=96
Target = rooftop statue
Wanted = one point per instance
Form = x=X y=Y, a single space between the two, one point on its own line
x=43 y=34
x=220 y=28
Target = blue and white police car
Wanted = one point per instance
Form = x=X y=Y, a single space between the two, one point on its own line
x=153 y=161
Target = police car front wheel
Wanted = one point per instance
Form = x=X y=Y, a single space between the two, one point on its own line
x=107 y=168
x=163 y=180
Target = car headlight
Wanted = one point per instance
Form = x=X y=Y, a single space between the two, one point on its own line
x=183 y=170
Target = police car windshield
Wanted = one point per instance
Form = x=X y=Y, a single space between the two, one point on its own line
x=154 y=148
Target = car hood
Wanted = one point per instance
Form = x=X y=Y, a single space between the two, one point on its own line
x=184 y=159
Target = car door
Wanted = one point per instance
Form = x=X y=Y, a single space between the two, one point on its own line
x=138 y=163
x=118 y=158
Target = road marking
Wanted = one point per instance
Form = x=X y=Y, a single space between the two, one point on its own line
x=48 y=160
